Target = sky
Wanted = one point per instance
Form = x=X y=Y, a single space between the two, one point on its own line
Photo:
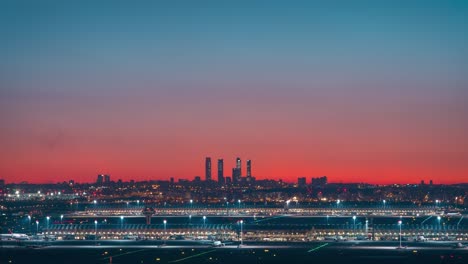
x=359 y=91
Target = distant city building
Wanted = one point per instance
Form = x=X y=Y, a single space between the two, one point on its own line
x=197 y=179
x=430 y=182
x=2 y=187
x=107 y=179
x=320 y=181
x=71 y=182
x=208 y=169
x=172 y=180
x=249 y=168
x=422 y=182
x=228 y=180
x=301 y=181
x=236 y=175
x=100 y=179
x=239 y=165
x=221 y=171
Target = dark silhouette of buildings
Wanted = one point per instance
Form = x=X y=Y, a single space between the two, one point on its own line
x=208 y=169
x=320 y=181
x=301 y=181
x=100 y=179
x=221 y=171
x=236 y=175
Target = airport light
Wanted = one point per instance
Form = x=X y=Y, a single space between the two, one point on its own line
x=95 y=232
x=241 y=223
x=399 y=224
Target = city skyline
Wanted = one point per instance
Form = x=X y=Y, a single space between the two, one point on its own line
x=235 y=178
x=368 y=91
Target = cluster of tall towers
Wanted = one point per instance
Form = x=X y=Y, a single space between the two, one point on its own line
x=236 y=171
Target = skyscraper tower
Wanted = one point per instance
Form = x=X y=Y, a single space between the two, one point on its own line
x=220 y=171
x=208 y=169
x=239 y=165
x=249 y=168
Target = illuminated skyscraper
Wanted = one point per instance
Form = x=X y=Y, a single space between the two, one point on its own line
x=239 y=165
x=221 y=171
x=249 y=168
x=208 y=169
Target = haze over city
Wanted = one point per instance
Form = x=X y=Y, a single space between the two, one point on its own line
x=366 y=92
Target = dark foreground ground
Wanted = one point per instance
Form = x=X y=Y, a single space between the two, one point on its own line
x=311 y=253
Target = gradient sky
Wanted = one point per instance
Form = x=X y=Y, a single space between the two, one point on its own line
x=360 y=91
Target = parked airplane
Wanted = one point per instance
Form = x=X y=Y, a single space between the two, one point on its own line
x=14 y=236
x=218 y=244
x=459 y=245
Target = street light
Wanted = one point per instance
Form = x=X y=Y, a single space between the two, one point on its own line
x=138 y=202
x=37 y=227
x=327 y=218
x=239 y=201
x=399 y=224
x=438 y=219
x=227 y=206
x=95 y=232
x=241 y=223
x=338 y=203
x=354 y=224
x=190 y=219
x=165 y=222
x=48 y=218
x=29 y=219
x=384 y=202
x=121 y=222
x=61 y=219
x=367 y=227
x=204 y=220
